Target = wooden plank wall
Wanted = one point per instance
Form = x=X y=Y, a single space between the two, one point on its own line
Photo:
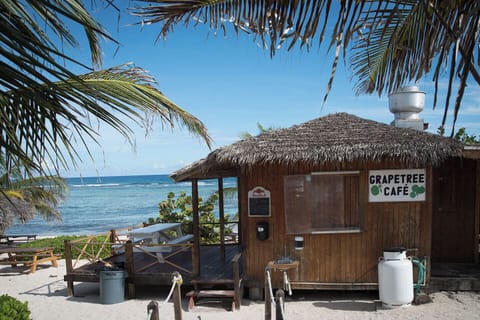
x=333 y=258
x=455 y=216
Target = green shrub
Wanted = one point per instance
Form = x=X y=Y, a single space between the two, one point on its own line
x=179 y=209
x=12 y=309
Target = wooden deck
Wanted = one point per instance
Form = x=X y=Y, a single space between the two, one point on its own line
x=148 y=271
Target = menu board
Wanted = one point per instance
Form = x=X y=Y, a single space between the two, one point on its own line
x=259 y=202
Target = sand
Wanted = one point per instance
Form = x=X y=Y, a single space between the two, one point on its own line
x=46 y=294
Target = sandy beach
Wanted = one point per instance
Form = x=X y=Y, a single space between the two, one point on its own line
x=46 y=294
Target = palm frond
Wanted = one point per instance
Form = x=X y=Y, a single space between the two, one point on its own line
x=41 y=124
x=22 y=198
x=393 y=42
x=31 y=32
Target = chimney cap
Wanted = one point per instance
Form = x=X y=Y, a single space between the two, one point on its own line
x=407 y=89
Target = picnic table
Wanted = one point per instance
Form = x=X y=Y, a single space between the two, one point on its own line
x=28 y=256
x=158 y=233
x=11 y=238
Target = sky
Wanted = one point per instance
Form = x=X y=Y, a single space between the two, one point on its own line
x=231 y=84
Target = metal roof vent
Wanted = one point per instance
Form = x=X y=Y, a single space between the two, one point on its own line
x=406 y=104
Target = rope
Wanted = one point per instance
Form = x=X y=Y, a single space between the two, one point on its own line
x=286 y=283
x=175 y=280
x=149 y=314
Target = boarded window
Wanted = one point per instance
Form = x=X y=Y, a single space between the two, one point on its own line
x=322 y=202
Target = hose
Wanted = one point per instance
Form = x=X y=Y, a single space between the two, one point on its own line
x=421 y=264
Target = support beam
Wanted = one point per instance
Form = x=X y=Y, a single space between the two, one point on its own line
x=69 y=266
x=196 y=230
x=221 y=211
x=476 y=240
x=130 y=267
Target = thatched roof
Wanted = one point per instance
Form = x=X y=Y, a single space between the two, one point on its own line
x=339 y=137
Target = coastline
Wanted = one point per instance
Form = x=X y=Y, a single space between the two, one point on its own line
x=96 y=205
x=46 y=294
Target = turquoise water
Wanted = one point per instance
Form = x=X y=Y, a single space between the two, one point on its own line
x=98 y=204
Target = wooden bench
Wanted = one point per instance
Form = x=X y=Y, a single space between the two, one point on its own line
x=28 y=256
x=182 y=239
x=10 y=239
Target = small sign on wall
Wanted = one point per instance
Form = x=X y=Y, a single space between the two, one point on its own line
x=396 y=185
x=259 y=202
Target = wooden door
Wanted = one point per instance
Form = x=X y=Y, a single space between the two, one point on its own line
x=453 y=212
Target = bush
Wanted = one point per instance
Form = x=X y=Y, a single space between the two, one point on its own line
x=179 y=209
x=12 y=309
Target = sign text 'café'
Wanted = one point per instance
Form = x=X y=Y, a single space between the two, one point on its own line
x=396 y=185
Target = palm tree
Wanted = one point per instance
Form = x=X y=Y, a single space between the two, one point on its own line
x=22 y=198
x=261 y=129
x=46 y=109
x=391 y=42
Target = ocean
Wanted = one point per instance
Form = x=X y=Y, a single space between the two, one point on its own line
x=98 y=204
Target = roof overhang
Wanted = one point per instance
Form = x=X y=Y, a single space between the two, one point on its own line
x=471 y=151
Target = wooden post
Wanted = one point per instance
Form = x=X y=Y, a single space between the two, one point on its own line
x=221 y=211
x=280 y=298
x=153 y=305
x=69 y=266
x=268 y=298
x=113 y=239
x=130 y=267
x=196 y=230
x=476 y=257
x=177 y=296
x=237 y=285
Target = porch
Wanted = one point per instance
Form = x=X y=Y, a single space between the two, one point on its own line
x=144 y=268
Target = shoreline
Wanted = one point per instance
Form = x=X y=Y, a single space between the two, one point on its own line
x=46 y=294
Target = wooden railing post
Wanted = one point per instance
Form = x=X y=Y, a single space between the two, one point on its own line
x=113 y=239
x=130 y=267
x=153 y=306
x=279 y=310
x=177 y=296
x=237 y=281
x=69 y=265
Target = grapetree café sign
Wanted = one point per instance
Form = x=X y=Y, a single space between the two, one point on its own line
x=396 y=185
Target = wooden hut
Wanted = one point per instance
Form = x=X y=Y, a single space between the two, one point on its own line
x=332 y=193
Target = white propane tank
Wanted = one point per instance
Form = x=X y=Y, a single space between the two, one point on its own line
x=395 y=278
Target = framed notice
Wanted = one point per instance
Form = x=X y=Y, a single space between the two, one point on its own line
x=402 y=185
x=259 y=202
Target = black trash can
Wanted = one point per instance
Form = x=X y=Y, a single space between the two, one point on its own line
x=112 y=285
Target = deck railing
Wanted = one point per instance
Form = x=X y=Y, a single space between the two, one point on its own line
x=238 y=279
x=230 y=233
x=97 y=247
x=162 y=253
x=104 y=249
x=91 y=248
x=94 y=249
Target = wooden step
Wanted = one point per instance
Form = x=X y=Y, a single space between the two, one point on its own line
x=212 y=282
x=197 y=294
x=211 y=294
